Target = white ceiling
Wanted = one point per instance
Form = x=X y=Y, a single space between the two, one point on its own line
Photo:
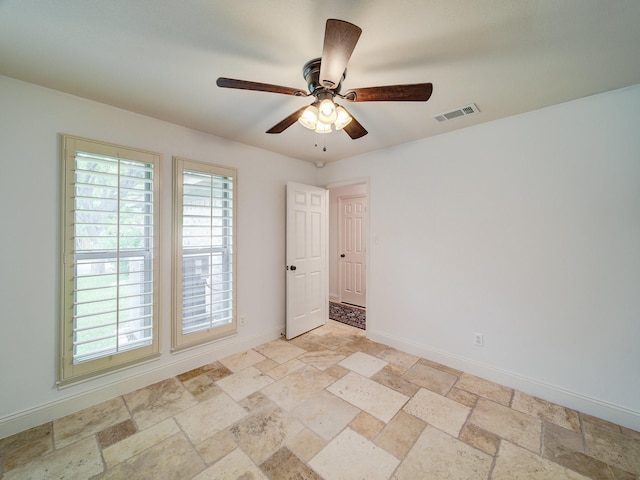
x=161 y=58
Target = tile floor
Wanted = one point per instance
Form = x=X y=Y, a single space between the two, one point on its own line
x=329 y=404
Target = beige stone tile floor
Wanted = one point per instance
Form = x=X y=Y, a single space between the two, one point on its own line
x=331 y=405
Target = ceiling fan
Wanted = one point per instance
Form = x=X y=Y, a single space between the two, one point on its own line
x=324 y=78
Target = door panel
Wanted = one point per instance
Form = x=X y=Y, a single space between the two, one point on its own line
x=307 y=302
x=352 y=246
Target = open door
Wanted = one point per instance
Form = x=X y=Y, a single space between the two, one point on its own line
x=307 y=284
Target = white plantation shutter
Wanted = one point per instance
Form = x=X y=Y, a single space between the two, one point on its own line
x=110 y=261
x=204 y=252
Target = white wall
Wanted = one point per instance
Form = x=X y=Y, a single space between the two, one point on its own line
x=334 y=255
x=30 y=120
x=526 y=230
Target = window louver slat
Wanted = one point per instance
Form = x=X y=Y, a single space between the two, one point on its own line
x=113 y=242
x=207 y=256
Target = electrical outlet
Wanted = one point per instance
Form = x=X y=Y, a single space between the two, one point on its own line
x=478 y=339
x=243 y=320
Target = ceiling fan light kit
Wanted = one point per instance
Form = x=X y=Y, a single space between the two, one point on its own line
x=324 y=77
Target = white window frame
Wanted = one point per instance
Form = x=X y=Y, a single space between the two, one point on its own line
x=134 y=343
x=181 y=337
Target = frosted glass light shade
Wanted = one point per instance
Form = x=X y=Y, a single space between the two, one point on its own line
x=322 y=127
x=343 y=118
x=309 y=117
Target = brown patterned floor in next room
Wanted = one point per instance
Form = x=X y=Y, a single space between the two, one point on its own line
x=329 y=404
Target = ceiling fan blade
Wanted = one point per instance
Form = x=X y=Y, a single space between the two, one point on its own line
x=354 y=129
x=287 y=122
x=340 y=39
x=416 y=92
x=260 y=87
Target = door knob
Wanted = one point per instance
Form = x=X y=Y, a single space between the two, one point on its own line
x=342 y=255
x=293 y=267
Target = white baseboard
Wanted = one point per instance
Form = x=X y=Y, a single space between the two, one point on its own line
x=582 y=403
x=35 y=416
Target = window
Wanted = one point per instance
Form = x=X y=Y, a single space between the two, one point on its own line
x=204 y=253
x=110 y=257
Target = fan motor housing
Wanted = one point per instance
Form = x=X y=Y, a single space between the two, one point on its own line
x=311 y=73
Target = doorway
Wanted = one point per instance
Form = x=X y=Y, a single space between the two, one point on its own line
x=348 y=256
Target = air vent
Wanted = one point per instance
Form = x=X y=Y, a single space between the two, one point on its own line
x=460 y=112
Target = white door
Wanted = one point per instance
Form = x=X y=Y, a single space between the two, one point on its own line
x=307 y=260
x=352 y=243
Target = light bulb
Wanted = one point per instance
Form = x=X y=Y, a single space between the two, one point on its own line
x=327 y=111
x=343 y=118
x=309 y=117
x=322 y=127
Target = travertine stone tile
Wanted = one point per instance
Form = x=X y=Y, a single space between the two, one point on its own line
x=280 y=351
x=631 y=433
x=244 y=382
x=26 y=452
x=172 y=458
x=116 y=433
x=367 y=425
x=78 y=461
x=601 y=423
x=255 y=402
x=306 y=343
x=389 y=379
x=325 y=414
x=566 y=448
x=235 y=465
x=216 y=447
x=297 y=405
x=284 y=465
x=509 y=424
x=217 y=371
x=350 y=456
x=86 y=422
x=321 y=359
x=479 y=438
x=306 y=444
x=551 y=412
x=261 y=434
x=370 y=396
x=558 y=440
x=209 y=417
x=202 y=387
x=285 y=369
x=612 y=447
x=214 y=370
x=400 y=434
x=362 y=363
x=437 y=455
x=336 y=371
x=152 y=404
x=441 y=412
x=266 y=365
x=242 y=360
x=439 y=366
x=462 y=396
x=139 y=442
x=516 y=463
x=331 y=341
x=297 y=387
x=431 y=378
x=484 y=388
x=35 y=434
x=399 y=362
x=362 y=344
